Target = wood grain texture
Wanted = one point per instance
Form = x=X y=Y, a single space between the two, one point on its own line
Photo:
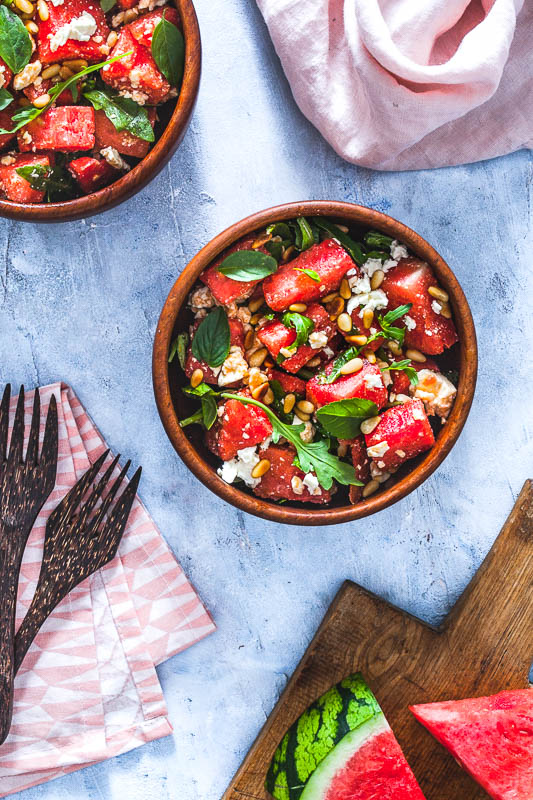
x=484 y=646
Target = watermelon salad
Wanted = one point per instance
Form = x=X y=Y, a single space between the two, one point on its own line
x=81 y=84
x=342 y=748
x=316 y=360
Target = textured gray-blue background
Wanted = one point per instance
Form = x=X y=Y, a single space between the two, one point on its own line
x=79 y=302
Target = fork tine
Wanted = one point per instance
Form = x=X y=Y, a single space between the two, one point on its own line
x=70 y=502
x=4 y=422
x=17 y=437
x=115 y=525
x=110 y=495
x=98 y=490
x=32 y=451
x=50 y=442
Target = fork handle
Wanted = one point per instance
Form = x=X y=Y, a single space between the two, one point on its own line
x=43 y=603
x=10 y=562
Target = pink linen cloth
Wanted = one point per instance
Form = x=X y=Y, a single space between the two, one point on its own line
x=88 y=688
x=410 y=84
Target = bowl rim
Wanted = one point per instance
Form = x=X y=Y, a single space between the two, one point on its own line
x=154 y=161
x=321 y=516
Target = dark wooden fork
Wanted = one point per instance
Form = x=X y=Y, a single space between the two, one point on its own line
x=25 y=486
x=81 y=536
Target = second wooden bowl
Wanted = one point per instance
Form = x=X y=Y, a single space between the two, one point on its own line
x=173 y=405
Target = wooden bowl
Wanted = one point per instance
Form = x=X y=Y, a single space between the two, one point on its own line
x=174 y=405
x=173 y=125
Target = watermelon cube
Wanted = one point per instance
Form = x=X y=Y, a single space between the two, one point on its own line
x=285 y=481
x=225 y=290
x=289 y=383
x=106 y=135
x=83 y=18
x=142 y=28
x=92 y=173
x=289 y=285
x=16 y=188
x=6 y=74
x=125 y=4
x=137 y=75
x=66 y=128
x=275 y=336
x=403 y=433
x=366 y=384
x=361 y=463
x=7 y=123
x=238 y=427
x=236 y=332
x=408 y=282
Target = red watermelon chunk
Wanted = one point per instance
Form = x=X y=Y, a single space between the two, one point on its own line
x=63 y=15
x=288 y=285
x=106 y=135
x=408 y=282
x=491 y=737
x=277 y=483
x=5 y=74
x=361 y=463
x=359 y=384
x=403 y=433
x=7 y=123
x=225 y=290
x=92 y=173
x=125 y=4
x=240 y=426
x=142 y=28
x=66 y=128
x=16 y=188
x=400 y=381
x=236 y=334
x=289 y=383
x=275 y=336
x=136 y=75
x=32 y=92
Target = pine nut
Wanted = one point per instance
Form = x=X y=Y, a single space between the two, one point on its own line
x=368 y=425
x=260 y=391
x=301 y=415
x=314 y=362
x=31 y=27
x=377 y=279
x=357 y=339
x=335 y=308
x=261 y=469
x=196 y=378
x=288 y=403
x=249 y=340
x=256 y=378
x=268 y=398
x=65 y=72
x=370 y=357
x=305 y=406
x=257 y=358
x=300 y=308
x=130 y=15
x=415 y=355
x=329 y=297
x=370 y=488
x=344 y=322
x=76 y=65
x=25 y=6
x=446 y=311
x=50 y=72
x=343 y=228
x=402 y=398
x=288 y=252
x=42 y=10
x=394 y=347
x=42 y=101
x=255 y=305
x=112 y=39
x=287 y=352
x=345 y=291
x=438 y=293
x=368 y=317
x=261 y=241
x=351 y=366
x=255 y=318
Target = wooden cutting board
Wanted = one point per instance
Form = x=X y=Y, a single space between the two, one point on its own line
x=484 y=646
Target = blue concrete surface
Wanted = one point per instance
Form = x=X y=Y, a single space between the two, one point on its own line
x=80 y=302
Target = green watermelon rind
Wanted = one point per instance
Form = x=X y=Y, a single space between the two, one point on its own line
x=342 y=709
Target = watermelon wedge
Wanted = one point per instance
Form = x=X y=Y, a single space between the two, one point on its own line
x=491 y=737
x=341 y=748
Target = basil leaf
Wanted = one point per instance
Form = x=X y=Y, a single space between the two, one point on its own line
x=56 y=181
x=193 y=419
x=304 y=235
x=15 y=41
x=282 y=230
x=179 y=346
x=310 y=273
x=248 y=265
x=404 y=366
x=107 y=5
x=5 y=99
x=355 y=249
x=311 y=457
x=124 y=113
x=209 y=411
x=275 y=249
x=301 y=324
x=211 y=341
x=375 y=240
x=168 y=50
x=379 y=254
x=343 y=418
x=390 y=331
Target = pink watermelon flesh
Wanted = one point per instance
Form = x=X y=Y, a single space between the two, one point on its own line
x=491 y=737
x=367 y=764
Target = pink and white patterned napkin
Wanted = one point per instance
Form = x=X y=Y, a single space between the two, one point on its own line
x=88 y=689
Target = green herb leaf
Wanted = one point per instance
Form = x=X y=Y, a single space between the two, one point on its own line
x=15 y=41
x=305 y=237
x=275 y=249
x=56 y=181
x=310 y=273
x=200 y=391
x=5 y=99
x=125 y=114
x=355 y=249
x=179 y=346
x=404 y=366
x=301 y=324
x=339 y=362
x=390 y=331
x=379 y=254
x=211 y=341
x=311 y=457
x=343 y=418
x=168 y=50
x=375 y=240
x=195 y=418
x=248 y=265
x=282 y=230
x=107 y=5
x=209 y=411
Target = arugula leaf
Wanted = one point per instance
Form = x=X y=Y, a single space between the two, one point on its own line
x=197 y=417
x=15 y=41
x=404 y=366
x=56 y=181
x=211 y=341
x=5 y=99
x=248 y=265
x=208 y=409
x=343 y=418
x=200 y=391
x=375 y=240
x=301 y=324
x=310 y=273
x=339 y=363
x=355 y=249
x=304 y=234
x=168 y=51
x=107 y=5
x=124 y=113
x=179 y=346
x=391 y=332
x=311 y=457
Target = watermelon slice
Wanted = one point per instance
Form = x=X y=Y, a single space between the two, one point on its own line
x=341 y=748
x=491 y=737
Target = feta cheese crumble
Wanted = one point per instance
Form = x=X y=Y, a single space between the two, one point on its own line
x=241 y=467
x=373 y=381
x=318 y=339
x=436 y=392
x=437 y=308
x=398 y=250
x=114 y=158
x=371 y=301
x=234 y=368
x=27 y=76
x=410 y=324
x=80 y=28
x=378 y=450
x=311 y=482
